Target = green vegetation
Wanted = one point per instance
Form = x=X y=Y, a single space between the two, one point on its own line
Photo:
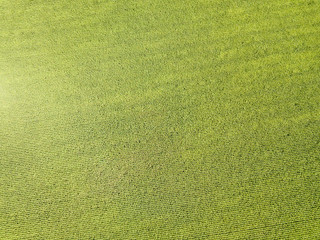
x=159 y=119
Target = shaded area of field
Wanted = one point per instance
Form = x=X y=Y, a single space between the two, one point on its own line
x=159 y=119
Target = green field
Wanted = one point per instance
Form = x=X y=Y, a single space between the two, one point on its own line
x=155 y=119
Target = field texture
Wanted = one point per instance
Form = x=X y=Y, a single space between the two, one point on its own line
x=156 y=119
